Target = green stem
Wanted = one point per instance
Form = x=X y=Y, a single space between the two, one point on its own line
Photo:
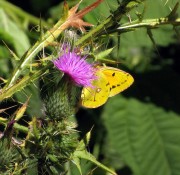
x=148 y=23
x=21 y=13
x=21 y=128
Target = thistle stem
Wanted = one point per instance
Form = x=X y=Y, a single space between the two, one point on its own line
x=148 y=23
x=21 y=128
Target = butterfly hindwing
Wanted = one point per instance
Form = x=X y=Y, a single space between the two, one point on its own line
x=98 y=95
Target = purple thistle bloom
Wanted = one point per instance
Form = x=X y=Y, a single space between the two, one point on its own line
x=78 y=69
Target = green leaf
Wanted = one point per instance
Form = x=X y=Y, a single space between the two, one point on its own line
x=13 y=34
x=32 y=167
x=99 y=13
x=85 y=167
x=76 y=161
x=103 y=55
x=144 y=136
x=35 y=104
x=82 y=153
x=152 y=9
x=4 y=62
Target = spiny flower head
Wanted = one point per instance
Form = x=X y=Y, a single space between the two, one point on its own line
x=76 y=67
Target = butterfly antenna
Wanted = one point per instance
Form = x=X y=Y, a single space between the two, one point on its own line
x=118 y=46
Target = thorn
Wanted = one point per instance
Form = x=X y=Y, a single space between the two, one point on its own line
x=4 y=80
x=2 y=110
x=129 y=17
x=153 y=41
x=173 y=13
x=11 y=52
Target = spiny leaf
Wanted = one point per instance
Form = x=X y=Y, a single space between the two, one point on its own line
x=81 y=153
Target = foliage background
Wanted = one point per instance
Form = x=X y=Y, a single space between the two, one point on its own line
x=138 y=131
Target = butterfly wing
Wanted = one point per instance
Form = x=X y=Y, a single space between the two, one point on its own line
x=118 y=80
x=98 y=95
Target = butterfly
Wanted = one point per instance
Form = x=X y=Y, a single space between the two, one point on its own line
x=110 y=81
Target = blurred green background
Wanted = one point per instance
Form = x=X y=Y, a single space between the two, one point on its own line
x=138 y=131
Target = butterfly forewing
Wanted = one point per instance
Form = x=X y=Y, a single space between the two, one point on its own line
x=118 y=80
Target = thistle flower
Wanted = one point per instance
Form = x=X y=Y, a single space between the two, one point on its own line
x=76 y=67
